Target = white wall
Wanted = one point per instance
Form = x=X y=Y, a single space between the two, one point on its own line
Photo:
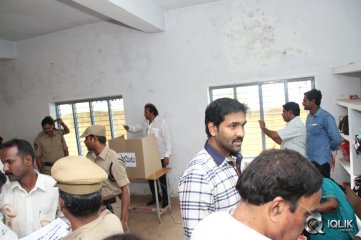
x=7 y=50
x=220 y=43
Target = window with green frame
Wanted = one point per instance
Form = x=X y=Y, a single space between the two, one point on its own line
x=80 y=114
x=264 y=100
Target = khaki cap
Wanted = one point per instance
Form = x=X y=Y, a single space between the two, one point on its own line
x=78 y=175
x=96 y=130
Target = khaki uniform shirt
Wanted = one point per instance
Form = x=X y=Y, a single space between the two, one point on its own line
x=102 y=227
x=50 y=148
x=105 y=158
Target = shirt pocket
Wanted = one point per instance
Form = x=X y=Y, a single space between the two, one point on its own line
x=48 y=149
x=314 y=129
x=154 y=131
x=46 y=218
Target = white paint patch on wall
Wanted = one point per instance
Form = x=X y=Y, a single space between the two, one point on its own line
x=255 y=42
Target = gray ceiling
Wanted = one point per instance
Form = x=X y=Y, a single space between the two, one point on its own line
x=21 y=19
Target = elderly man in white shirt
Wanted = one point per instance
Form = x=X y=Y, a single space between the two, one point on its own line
x=157 y=126
x=31 y=200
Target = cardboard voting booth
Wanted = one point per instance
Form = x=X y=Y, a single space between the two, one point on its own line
x=141 y=156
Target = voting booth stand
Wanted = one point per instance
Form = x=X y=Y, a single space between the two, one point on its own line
x=141 y=157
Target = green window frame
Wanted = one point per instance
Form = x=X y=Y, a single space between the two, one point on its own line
x=80 y=114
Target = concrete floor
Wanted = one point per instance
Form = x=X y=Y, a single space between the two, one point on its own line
x=147 y=226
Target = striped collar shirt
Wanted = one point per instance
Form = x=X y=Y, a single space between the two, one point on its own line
x=207 y=185
x=294 y=136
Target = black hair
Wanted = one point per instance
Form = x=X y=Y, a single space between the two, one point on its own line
x=218 y=109
x=314 y=94
x=47 y=120
x=102 y=139
x=82 y=205
x=278 y=173
x=151 y=108
x=125 y=236
x=2 y=178
x=293 y=107
x=24 y=147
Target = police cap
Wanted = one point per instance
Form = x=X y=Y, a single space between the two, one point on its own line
x=78 y=175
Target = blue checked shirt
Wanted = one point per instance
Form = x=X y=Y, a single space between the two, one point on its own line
x=207 y=185
x=323 y=136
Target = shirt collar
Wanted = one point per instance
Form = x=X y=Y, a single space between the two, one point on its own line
x=40 y=183
x=217 y=156
x=154 y=120
x=318 y=112
x=102 y=154
x=55 y=132
x=294 y=119
x=238 y=158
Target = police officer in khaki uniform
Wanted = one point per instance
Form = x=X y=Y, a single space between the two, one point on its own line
x=115 y=188
x=50 y=144
x=80 y=181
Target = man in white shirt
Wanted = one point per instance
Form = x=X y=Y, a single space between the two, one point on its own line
x=279 y=189
x=157 y=126
x=31 y=200
x=5 y=231
x=293 y=136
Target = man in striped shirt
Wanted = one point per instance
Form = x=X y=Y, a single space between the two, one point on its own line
x=293 y=135
x=208 y=183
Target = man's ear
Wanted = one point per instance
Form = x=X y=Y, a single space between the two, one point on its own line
x=61 y=203
x=28 y=160
x=212 y=128
x=277 y=207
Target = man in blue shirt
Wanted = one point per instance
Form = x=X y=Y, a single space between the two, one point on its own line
x=322 y=133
